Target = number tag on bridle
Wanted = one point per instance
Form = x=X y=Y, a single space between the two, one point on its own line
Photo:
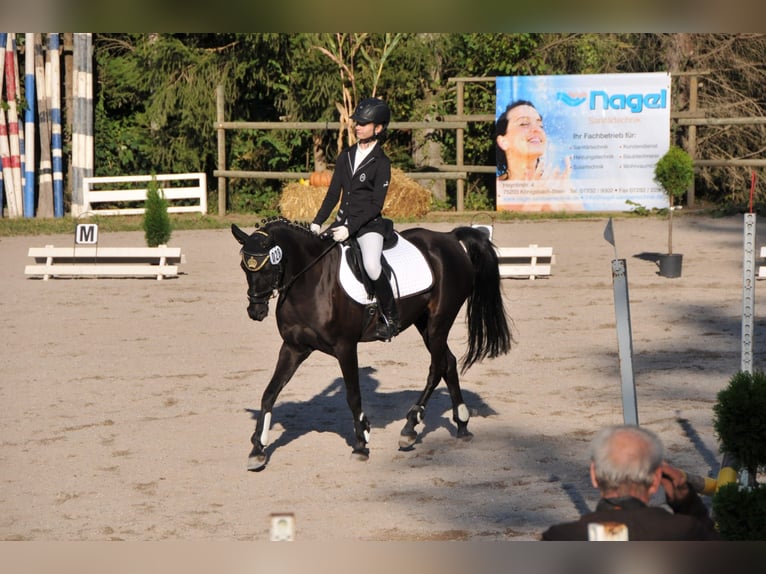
x=275 y=254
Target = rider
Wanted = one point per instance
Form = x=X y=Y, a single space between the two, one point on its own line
x=361 y=177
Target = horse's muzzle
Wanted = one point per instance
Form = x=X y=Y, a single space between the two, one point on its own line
x=258 y=311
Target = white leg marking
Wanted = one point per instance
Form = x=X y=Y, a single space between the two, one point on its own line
x=266 y=427
x=366 y=432
x=462 y=413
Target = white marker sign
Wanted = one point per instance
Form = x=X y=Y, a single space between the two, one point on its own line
x=86 y=234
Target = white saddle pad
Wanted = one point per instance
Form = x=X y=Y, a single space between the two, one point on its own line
x=412 y=274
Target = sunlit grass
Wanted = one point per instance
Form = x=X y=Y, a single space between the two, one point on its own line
x=191 y=221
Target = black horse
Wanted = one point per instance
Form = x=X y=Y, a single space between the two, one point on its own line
x=283 y=258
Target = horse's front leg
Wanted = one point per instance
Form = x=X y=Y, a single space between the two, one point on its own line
x=288 y=362
x=349 y=366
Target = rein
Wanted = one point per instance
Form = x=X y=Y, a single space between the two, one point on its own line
x=289 y=284
x=278 y=289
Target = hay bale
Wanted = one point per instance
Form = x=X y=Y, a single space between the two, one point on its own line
x=406 y=197
x=300 y=201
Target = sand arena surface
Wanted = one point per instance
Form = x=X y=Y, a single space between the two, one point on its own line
x=127 y=403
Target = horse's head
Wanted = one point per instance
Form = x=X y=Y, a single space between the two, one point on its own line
x=261 y=261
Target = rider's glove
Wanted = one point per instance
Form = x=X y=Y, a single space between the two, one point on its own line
x=315 y=229
x=340 y=233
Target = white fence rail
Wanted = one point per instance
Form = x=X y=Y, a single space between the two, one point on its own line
x=94 y=261
x=525 y=262
x=99 y=199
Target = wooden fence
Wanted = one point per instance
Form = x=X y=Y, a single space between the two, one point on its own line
x=458 y=122
x=690 y=118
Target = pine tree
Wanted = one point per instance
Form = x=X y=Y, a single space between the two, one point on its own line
x=157 y=228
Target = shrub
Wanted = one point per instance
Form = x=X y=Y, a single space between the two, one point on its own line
x=674 y=171
x=739 y=420
x=157 y=228
x=740 y=425
x=740 y=513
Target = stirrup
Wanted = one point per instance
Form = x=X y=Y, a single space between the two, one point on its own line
x=386 y=330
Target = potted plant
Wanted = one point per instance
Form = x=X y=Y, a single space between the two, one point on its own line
x=739 y=505
x=674 y=171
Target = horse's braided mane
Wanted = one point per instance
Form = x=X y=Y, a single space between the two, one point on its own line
x=279 y=220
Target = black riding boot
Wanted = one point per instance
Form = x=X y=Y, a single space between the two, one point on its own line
x=388 y=325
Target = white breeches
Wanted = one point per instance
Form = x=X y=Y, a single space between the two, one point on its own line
x=371 y=245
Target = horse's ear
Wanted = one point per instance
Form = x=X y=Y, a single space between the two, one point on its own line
x=238 y=234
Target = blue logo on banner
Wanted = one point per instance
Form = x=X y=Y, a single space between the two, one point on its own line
x=570 y=100
x=636 y=103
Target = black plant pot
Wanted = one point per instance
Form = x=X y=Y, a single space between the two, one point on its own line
x=670 y=264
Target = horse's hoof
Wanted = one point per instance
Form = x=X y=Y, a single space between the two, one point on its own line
x=407 y=441
x=256 y=463
x=362 y=454
x=465 y=436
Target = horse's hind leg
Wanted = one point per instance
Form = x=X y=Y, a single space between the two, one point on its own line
x=460 y=412
x=443 y=366
x=288 y=362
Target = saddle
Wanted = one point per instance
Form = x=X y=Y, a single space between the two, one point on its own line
x=403 y=264
x=354 y=261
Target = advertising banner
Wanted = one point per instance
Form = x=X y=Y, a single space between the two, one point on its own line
x=581 y=143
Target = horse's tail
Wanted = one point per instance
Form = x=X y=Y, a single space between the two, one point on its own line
x=488 y=332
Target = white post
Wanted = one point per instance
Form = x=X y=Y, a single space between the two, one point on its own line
x=748 y=287
x=624 y=341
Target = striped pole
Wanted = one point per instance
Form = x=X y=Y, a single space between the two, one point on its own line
x=13 y=180
x=17 y=132
x=45 y=173
x=7 y=131
x=82 y=121
x=29 y=125
x=3 y=127
x=54 y=79
x=23 y=164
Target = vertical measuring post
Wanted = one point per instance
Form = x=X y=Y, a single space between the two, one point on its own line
x=624 y=341
x=748 y=288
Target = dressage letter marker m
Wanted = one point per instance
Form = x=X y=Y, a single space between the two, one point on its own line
x=86 y=234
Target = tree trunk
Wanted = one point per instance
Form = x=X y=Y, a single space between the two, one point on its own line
x=670 y=228
x=427 y=152
x=320 y=159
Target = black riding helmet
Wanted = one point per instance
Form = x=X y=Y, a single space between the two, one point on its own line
x=372 y=110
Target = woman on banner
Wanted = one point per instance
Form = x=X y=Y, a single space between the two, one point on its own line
x=520 y=146
x=521 y=142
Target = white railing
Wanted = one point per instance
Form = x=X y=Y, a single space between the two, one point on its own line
x=525 y=262
x=76 y=261
x=95 y=194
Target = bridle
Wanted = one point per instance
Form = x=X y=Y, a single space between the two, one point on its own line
x=253 y=262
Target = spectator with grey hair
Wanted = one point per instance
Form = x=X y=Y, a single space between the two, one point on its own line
x=627 y=466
